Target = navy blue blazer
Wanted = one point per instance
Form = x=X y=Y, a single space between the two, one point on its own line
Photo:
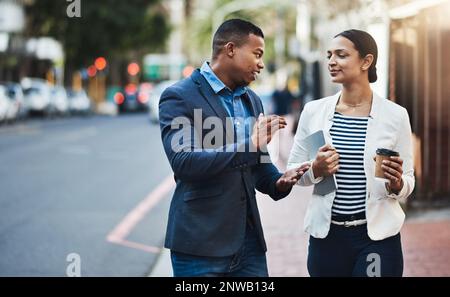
x=214 y=189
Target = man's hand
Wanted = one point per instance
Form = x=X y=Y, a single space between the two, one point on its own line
x=326 y=162
x=264 y=129
x=290 y=177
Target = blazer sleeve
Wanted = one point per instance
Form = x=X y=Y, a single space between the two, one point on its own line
x=299 y=154
x=405 y=148
x=189 y=161
x=265 y=176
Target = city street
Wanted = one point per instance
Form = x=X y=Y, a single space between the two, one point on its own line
x=66 y=184
x=85 y=184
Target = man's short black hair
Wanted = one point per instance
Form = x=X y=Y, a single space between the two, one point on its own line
x=234 y=30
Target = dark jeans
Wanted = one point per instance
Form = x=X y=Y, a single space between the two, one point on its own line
x=249 y=261
x=348 y=251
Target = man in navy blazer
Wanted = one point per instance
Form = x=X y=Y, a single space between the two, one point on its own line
x=215 y=136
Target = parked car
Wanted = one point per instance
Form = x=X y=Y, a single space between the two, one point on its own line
x=131 y=99
x=4 y=103
x=153 y=103
x=145 y=91
x=59 y=103
x=37 y=95
x=17 y=107
x=79 y=102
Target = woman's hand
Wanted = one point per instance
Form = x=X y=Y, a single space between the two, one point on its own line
x=393 y=171
x=326 y=162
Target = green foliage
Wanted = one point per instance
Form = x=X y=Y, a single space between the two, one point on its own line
x=109 y=28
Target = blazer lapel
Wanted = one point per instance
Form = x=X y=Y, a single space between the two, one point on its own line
x=213 y=100
x=371 y=134
x=329 y=115
x=208 y=94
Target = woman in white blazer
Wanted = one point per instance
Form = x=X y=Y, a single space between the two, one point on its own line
x=354 y=230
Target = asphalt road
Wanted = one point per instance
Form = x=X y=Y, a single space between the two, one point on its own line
x=65 y=184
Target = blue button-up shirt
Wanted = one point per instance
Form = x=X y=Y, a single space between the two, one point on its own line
x=232 y=102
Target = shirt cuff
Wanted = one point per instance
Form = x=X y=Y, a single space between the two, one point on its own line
x=313 y=179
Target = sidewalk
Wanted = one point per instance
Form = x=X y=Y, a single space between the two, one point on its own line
x=425 y=236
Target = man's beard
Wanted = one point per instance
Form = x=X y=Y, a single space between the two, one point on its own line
x=242 y=83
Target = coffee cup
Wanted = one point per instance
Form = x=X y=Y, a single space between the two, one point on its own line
x=383 y=154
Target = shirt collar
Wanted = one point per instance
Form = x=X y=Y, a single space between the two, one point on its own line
x=216 y=84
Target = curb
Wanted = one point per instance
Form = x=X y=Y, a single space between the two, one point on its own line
x=163 y=266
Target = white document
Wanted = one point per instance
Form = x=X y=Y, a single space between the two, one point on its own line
x=312 y=143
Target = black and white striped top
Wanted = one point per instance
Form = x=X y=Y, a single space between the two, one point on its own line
x=349 y=135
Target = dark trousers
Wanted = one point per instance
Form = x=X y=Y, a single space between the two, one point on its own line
x=348 y=251
x=249 y=261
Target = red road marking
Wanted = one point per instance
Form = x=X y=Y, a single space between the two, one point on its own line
x=122 y=230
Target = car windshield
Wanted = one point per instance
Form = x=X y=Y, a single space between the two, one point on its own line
x=77 y=94
x=11 y=92
x=32 y=90
x=58 y=91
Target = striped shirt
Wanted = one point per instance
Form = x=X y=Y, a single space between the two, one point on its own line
x=349 y=135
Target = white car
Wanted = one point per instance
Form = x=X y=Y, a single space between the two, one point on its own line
x=153 y=103
x=79 y=102
x=59 y=100
x=4 y=104
x=37 y=95
x=15 y=95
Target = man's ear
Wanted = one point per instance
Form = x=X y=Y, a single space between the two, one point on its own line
x=367 y=61
x=230 y=49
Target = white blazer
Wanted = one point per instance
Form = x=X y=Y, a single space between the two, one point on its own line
x=388 y=127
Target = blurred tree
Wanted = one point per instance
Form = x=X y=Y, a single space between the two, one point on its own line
x=201 y=25
x=115 y=29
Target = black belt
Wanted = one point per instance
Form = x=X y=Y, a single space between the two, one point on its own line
x=347 y=218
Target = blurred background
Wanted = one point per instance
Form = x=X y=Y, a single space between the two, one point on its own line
x=82 y=167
